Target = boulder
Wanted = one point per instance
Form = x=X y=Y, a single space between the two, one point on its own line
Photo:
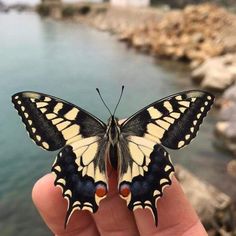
x=125 y=36
x=216 y=73
x=229 y=95
x=212 y=205
x=231 y=168
x=226 y=126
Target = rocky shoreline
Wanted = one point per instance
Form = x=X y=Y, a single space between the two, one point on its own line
x=193 y=34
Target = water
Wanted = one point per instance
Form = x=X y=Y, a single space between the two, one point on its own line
x=69 y=61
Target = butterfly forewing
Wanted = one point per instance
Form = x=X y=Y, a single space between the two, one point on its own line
x=52 y=123
x=172 y=121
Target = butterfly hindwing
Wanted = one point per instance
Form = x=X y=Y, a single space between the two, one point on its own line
x=80 y=170
x=146 y=169
x=52 y=123
x=172 y=121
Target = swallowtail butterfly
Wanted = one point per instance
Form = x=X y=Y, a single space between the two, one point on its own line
x=135 y=147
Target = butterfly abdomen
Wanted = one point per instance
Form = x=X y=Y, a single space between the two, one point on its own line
x=113 y=155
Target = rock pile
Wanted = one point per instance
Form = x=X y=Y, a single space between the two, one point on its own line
x=191 y=34
x=194 y=34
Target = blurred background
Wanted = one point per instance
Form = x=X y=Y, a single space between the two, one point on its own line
x=154 y=48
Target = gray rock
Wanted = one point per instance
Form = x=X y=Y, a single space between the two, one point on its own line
x=230 y=94
x=226 y=126
x=216 y=73
x=231 y=168
x=206 y=199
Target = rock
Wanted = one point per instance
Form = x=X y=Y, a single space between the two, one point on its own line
x=211 y=50
x=226 y=138
x=195 y=64
x=197 y=37
x=226 y=126
x=206 y=199
x=125 y=36
x=217 y=79
x=140 y=41
x=231 y=168
x=230 y=94
x=56 y=13
x=194 y=54
x=216 y=73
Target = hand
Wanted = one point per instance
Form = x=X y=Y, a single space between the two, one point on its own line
x=113 y=218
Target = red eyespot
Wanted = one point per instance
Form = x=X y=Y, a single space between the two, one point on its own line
x=125 y=190
x=101 y=190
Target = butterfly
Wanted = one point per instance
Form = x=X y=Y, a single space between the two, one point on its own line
x=135 y=148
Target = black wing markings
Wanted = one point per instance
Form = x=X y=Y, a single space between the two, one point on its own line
x=172 y=121
x=52 y=122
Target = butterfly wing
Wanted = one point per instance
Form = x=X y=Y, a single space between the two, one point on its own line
x=52 y=123
x=145 y=166
x=145 y=170
x=172 y=121
x=80 y=167
x=80 y=170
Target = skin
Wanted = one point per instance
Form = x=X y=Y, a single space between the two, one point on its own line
x=176 y=216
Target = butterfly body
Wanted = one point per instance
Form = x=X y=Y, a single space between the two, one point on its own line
x=135 y=148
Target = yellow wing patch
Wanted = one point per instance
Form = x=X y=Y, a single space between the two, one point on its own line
x=140 y=150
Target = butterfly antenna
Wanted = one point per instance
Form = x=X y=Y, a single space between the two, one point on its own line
x=103 y=101
x=122 y=89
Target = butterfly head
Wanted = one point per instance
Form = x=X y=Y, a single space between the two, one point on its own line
x=113 y=129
